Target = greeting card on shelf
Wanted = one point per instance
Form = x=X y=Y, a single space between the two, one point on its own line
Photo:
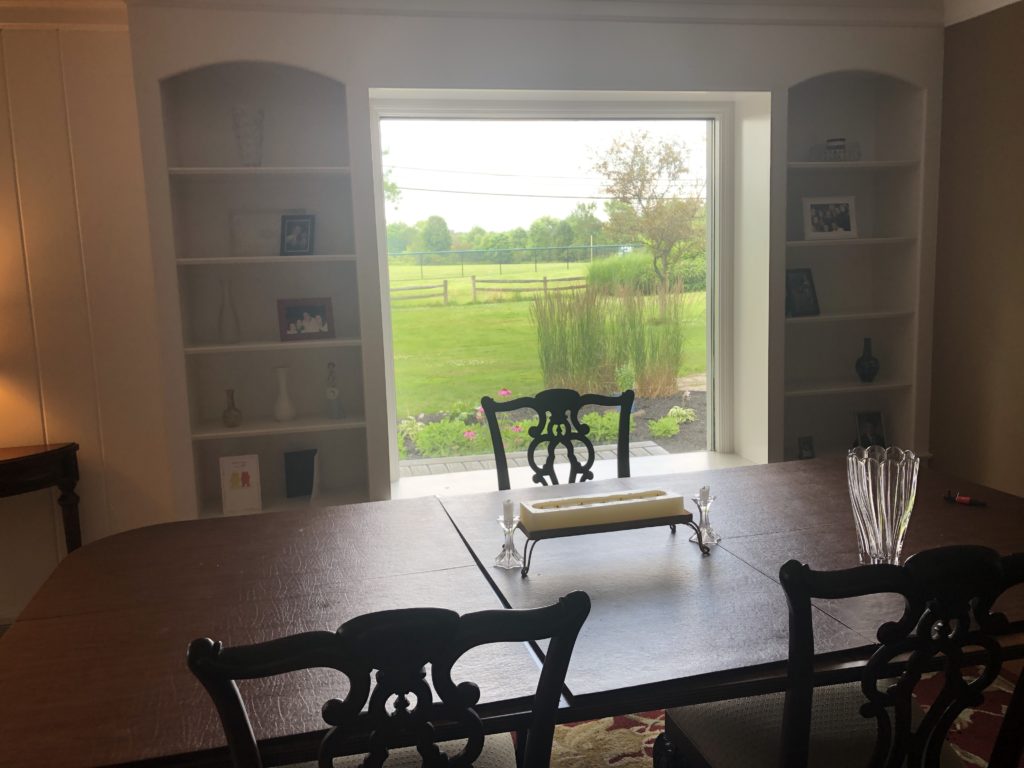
x=240 y=484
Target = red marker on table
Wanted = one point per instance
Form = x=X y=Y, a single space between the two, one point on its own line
x=967 y=501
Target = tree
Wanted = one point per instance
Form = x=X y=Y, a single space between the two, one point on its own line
x=585 y=224
x=400 y=237
x=391 y=190
x=644 y=176
x=435 y=234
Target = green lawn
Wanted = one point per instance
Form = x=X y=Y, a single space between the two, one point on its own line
x=457 y=353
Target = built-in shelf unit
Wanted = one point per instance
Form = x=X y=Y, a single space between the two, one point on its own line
x=226 y=223
x=867 y=286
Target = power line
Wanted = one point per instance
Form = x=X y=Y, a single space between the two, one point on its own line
x=521 y=194
x=516 y=175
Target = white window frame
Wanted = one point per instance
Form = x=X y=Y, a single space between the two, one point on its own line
x=718 y=108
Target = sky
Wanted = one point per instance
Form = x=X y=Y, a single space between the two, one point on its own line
x=503 y=174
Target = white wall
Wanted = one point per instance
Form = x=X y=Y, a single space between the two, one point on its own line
x=78 y=360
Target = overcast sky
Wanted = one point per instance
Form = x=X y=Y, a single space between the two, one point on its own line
x=503 y=174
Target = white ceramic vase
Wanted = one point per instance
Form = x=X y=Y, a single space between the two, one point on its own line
x=284 y=410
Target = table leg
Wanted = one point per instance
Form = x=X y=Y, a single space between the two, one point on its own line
x=68 y=501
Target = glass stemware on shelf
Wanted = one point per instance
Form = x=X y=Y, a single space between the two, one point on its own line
x=508 y=558
x=703 y=499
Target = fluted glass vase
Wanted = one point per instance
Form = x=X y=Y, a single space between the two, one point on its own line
x=883 y=487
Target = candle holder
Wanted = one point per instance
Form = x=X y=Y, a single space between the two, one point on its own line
x=509 y=557
x=704 y=500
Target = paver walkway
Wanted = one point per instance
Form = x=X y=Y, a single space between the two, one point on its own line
x=418 y=467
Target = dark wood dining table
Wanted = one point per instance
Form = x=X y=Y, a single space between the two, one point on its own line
x=93 y=673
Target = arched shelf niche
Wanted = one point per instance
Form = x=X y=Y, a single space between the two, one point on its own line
x=248 y=144
x=856 y=138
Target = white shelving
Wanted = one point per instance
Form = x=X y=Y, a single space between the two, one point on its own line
x=227 y=251
x=867 y=286
x=262 y=428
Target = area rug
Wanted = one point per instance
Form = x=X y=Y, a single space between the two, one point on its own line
x=628 y=741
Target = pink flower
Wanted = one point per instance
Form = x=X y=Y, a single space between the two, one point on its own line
x=516 y=428
x=504 y=392
x=469 y=434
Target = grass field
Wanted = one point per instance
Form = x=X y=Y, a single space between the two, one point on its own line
x=457 y=353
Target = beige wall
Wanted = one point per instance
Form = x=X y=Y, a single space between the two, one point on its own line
x=77 y=355
x=978 y=365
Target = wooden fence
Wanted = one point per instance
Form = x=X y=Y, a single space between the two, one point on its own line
x=441 y=288
x=535 y=284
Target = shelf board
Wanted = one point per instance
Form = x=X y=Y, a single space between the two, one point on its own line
x=269 y=346
x=211 y=171
x=850 y=317
x=264 y=427
x=849 y=241
x=240 y=260
x=329 y=499
x=851 y=165
x=812 y=389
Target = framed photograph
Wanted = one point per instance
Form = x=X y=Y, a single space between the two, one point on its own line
x=305 y=319
x=297 y=234
x=801 y=298
x=827 y=218
x=805 y=447
x=257 y=232
x=240 y=484
x=870 y=429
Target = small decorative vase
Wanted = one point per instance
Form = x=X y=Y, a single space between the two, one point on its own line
x=283 y=408
x=228 y=327
x=867 y=364
x=248 y=123
x=333 y=394
x=708 y=535
x=232 y=417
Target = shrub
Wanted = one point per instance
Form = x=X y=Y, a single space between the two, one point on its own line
x=682 y=415
x=451 y=437
x=635 y=271
x=604 y=426
x=666 y=426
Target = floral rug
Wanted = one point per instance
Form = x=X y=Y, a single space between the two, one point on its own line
x=628 y=741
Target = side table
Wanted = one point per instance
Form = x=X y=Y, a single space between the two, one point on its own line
x=34 y=467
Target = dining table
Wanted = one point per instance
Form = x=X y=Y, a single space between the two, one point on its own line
x=93 y=673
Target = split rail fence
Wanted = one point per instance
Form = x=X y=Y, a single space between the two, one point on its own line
x=527 y=284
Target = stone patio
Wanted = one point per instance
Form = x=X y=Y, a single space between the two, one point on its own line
x=421 y=467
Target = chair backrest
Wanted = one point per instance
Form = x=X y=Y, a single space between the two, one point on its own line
x=558 y=424
x=397 y=644
x=947 y=623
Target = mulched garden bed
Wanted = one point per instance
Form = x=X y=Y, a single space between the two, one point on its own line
x=692 y=435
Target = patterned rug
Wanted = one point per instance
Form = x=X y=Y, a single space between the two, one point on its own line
x=628 y=741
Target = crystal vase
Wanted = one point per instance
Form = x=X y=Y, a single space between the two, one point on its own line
x=883 y=486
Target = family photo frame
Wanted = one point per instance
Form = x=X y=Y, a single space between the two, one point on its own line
x=297 y=231
x=830 y=218
x=305 y=319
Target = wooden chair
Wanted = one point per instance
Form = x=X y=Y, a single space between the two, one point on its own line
x=399 y=644
x=873 y=722
x=558 y=424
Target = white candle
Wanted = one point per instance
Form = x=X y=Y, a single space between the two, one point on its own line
x=508 y=513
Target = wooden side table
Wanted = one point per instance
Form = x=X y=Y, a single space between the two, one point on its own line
x=34 y=467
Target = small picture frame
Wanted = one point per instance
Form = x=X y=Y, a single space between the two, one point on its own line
x=801 y=298
x=805 y=447
x=240 y=484
x=305 y=319
x=829 y=218
x=297 y=232
x=870 y=429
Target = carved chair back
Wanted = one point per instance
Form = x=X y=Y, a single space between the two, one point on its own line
x=948 y=594
x=398 y=645
x=558 y=424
